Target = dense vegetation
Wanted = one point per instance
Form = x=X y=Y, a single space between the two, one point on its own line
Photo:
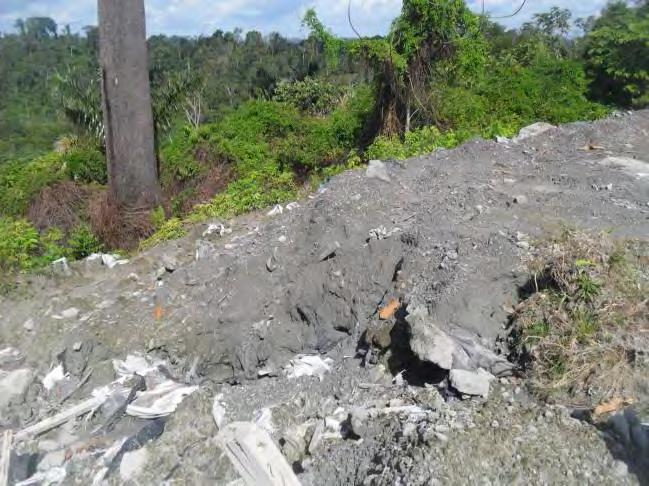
x=245 y=121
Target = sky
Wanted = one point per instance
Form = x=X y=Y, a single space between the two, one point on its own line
x=203 y=17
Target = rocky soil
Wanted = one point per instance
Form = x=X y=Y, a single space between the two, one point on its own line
x=398 y=277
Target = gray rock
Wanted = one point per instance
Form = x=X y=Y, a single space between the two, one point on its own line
x=533 y=130
x=377 y=170
x=471 y=382
x=52 y=459
x=204 y=250
x=520 y=199
x=14 y=384
x=29 y=325
x=329 y=251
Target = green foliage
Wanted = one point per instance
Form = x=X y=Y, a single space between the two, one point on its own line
x=311 y=95
x=85 y=163
x=172 y=229
x=617 y=55
x=82 y=242
x=416 y=142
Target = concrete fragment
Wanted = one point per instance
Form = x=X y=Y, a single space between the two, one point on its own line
x=133 y=463
x=377 y=170
x=533 y=130
x=471 y=382
x=13 y=385
x=428 y=342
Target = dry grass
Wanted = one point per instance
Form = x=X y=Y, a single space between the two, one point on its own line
x=118 y=228
x=585 y=322
x=62 y=205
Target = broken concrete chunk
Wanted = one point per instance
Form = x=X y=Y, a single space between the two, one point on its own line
x=471 y=382
x=377 y=170
x=13 y=385
x=428 y=342
x=329 y=251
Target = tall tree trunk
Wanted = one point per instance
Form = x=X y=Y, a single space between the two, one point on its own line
x=128 y=118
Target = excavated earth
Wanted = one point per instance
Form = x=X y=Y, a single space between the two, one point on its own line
x=227 y=310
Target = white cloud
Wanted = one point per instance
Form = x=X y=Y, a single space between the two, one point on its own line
x=195 y=17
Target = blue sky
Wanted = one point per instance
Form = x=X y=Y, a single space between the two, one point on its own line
x=195 y=17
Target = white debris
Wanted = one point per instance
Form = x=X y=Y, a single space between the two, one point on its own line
x=277 y=209
x=292 y=205
x=308 y=365
x=53 y=377
x=70 y=313
x=217 y=228
x=112 y=260
x=160 y=401
x=264 y=419
x=281 y=239
x=218 y=411
x=28 y=325
x=381 y=232
x=56 y=475
x=135 y=364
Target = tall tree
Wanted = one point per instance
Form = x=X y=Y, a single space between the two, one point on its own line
x=128 y=118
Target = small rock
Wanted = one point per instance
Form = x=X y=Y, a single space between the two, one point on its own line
x=520 y=199
x=620 y=469
x=479 y=208
x=608 y=187
x=428 y=342
x=133 y=464
x=409 y=429
x=282 y=239
x=471 y=382
x=77 y=346
x=204 y=249
x=70 y=313
x=61 y=267
x=377 y=170
x=51 y=459
x=169 y=263
x=271 y=263
x=29 y=325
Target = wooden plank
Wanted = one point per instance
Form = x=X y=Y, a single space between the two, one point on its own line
x=255 y=456
x=5 y=457
x=60 y=418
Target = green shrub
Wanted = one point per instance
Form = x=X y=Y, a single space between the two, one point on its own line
x=311 y=95
x=20 y=180
x=19 y=244
x=86 y=164
x=83 y=242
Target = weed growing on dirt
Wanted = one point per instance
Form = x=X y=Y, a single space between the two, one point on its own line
x=579 y=331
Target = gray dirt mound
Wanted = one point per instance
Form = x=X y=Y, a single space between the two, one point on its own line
x=227 y=307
